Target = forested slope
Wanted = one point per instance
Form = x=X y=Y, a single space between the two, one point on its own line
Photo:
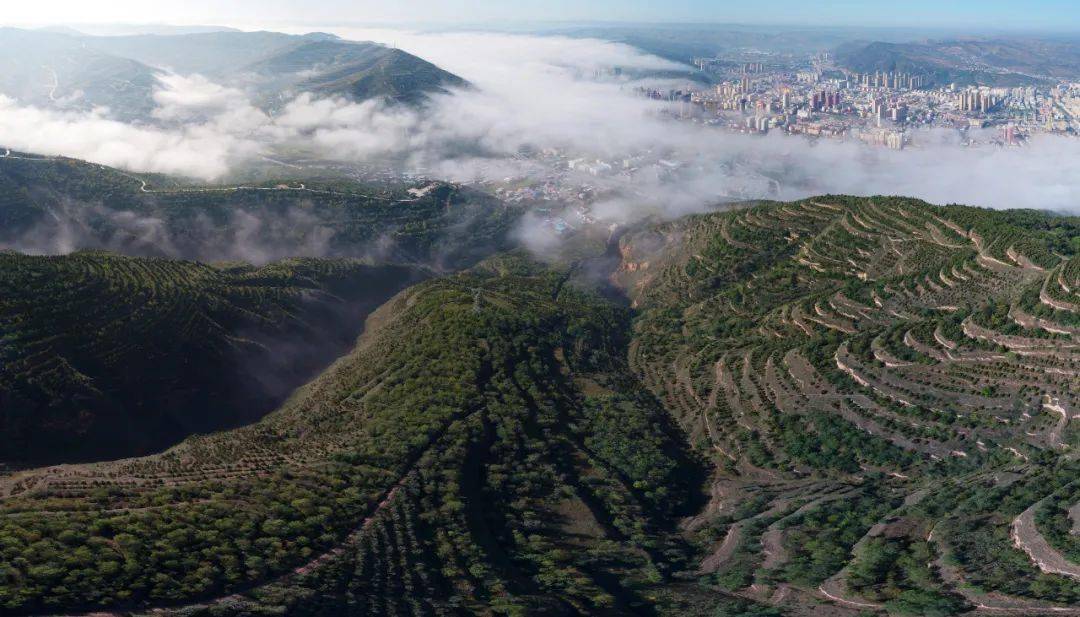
x=55 y=205
x=104 y=356
x=836 y=406
x=889 y=385
x=483 y=448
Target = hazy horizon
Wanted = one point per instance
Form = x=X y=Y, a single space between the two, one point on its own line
x=960 y=16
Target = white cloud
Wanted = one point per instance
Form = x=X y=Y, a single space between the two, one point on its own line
x=544 y=92
x=199 y=151
x=181 y=97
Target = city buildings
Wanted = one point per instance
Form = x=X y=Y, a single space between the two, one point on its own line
x=887 y=108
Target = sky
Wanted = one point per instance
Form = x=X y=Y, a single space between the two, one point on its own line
x=532 y=93
x=539 y=93
x=961 y=14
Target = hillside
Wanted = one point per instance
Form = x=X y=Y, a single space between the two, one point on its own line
x=469 y=453
x=103 y=356
x=55 y=205
x=357 y=71
x=837 y=406
x=390 y=74
x=118 y=75
x=1005 y=61
x=50 y=69
x=885 y=387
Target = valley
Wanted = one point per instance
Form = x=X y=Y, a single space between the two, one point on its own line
x=835 y=405
x=549 y=318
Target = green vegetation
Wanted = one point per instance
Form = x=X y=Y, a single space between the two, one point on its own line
x=843 y=401
x=490 y=424
x=919 y=351
x=819 y=542
x=374 y=71
x=104 y=356
x=44 y=202
x=121 y=72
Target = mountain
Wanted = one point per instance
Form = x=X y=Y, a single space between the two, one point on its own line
x=57 y=205
x=474 y=440
x=681 y=42
x=285 y=65
x=212 y=54
x=106 y=356
x=837 y=406
x=1003 y=61
x=889 y=386
x=135 y=29
x=357 y=71
x=57 y=70
x=391 y=74
x=71 y=71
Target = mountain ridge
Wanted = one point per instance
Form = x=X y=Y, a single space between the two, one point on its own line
x=118 y=75
x=829 y=404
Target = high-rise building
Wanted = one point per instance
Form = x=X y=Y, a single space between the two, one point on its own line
x=878 y=109
x=889 y=79
x=1009 y=135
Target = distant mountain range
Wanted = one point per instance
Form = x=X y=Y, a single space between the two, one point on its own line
x=132 y=29
x=682 y=42
x=358 y=71
x=1012 y=61
x=69 y=70
x=975 y=58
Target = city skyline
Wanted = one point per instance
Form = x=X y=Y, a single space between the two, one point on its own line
x=960 y=15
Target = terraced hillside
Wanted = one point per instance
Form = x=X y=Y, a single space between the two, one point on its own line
x=482 y=450
x=52 y=205
x=890 y=393
x=839 y=406
x=103 y=356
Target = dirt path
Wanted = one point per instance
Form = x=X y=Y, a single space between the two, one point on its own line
x=1026 y=537
x=1048 y=300
x=833 y=589
x=54 y=85
x=724 y=552
x=1055 y=438
x=143 y=188
x=772 y=541
x=995 y=603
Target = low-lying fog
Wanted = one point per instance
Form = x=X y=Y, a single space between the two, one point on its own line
x=532 y=94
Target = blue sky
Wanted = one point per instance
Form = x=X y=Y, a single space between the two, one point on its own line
x=970 y=14
x=1057 y=14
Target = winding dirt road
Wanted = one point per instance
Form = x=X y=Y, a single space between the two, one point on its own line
x=1026 y=537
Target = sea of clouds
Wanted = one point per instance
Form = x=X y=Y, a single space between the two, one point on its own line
x=530 y=93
